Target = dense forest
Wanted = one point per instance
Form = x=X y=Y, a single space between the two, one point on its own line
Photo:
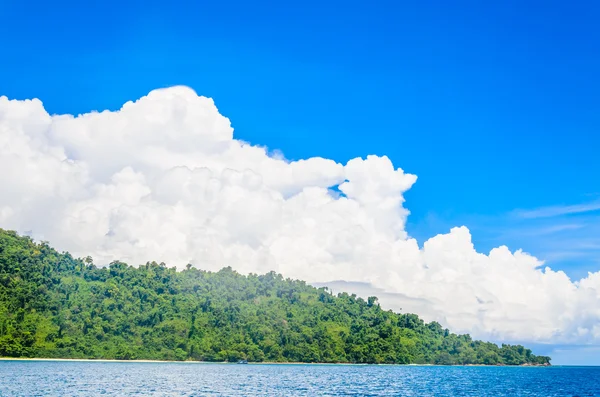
x=53 y=305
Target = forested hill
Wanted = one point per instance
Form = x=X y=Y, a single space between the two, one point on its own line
x=52 y=305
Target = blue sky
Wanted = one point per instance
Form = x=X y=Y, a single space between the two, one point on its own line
x=493 y=106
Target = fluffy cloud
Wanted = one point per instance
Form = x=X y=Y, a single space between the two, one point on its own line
x=164 y=179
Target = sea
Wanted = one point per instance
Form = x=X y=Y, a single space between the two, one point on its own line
x=95 y=378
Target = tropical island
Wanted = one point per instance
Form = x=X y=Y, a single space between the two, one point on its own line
x=53 y=305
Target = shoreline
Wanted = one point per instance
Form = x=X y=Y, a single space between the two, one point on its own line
x=105 y=360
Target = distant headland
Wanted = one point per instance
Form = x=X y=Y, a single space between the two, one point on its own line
x=55 y=306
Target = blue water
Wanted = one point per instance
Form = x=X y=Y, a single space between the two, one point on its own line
x=59 y=378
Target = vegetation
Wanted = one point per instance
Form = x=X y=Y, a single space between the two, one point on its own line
x=53 y=305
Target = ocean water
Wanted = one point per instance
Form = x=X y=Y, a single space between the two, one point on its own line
x=75 y=379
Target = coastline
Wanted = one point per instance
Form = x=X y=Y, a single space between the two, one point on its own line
x=103 y=360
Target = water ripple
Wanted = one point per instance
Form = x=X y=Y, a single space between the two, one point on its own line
x=78 y=379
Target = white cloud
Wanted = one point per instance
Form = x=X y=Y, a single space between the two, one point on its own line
x=559 y=210
x=163 y=179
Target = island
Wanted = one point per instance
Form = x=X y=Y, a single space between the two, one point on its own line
x=53 y=305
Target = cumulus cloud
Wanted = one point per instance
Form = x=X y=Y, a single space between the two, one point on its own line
x=164 y=179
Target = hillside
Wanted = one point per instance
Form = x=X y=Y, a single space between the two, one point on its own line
x=53 y=305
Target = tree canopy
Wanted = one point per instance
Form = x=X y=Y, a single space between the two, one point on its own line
x=56 y=306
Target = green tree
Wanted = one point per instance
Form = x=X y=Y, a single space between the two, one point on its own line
x=54 y=305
